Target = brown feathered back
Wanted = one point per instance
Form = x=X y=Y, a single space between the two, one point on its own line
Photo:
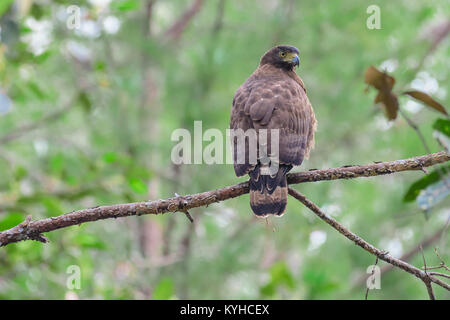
x=273 y=97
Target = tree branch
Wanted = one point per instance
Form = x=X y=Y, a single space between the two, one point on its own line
x=175 y=31
x=48 y=118
x=422 y=275
x=32 y=230
x=411 y=253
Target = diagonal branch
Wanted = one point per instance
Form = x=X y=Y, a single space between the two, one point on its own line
x=427 y=281
x=48 y=118
x=32 y=230
x=174 y=32
x=411 y=253
x=422 y=275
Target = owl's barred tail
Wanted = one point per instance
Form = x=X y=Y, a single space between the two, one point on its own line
x=268 y=193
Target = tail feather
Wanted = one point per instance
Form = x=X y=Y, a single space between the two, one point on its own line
x=268 y=193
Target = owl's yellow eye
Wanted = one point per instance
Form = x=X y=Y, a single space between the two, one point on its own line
x=282 y=54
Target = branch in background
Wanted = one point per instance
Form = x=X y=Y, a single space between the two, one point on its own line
x=428 y=282
x=175 y=31
x=373 y=272
x=218 y=22
x=20 y=131
x=422 y=275
x=148 y=14
x=32 y=230
x=442 y=265
x=415 y=127
x=148 y=112
x=411 y=253
x=437 y=35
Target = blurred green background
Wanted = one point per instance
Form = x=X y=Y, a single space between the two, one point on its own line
x=86 y=116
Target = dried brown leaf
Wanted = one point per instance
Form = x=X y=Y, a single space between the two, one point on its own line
x=426 y=99
x=390 y=102
x=384 y=84
x=379 y=80
x=374 y=77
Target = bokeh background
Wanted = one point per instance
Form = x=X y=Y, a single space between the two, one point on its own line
x=86 y=116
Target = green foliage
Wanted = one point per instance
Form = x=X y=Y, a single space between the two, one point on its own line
x=442 y=125
x=137 y=185
x=419 y=185
x=85 y=240
x=10 y=220
x=163 y=290
x=434 y=194
x=125 y=5
x=319 y=282
x=279 y=276
x=4 y=5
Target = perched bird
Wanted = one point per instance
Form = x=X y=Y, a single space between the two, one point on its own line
x=273 y=97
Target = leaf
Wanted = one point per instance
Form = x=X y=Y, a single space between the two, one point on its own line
x=318 y=280
x=384 y=83
x=57 y=163
x=280 y=275
x=84 y=100
x=443 y=140
x=11 y=220
x=268 y=289
x=379 y=80
x=163 y=290
x=434 y=194
x=20 y=173
x=426 y=99
x=414 y=190
x=36 y=90
x=43 y=57
x=137 y=185
x=53 y=205
x=100 y=66
x=390 y=102
x=86 y=240
x=442 y=125
x=37 y=11
x=110 y=157
x=127 y=5
x=4 y=6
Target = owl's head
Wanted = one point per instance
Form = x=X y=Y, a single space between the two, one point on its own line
x=284 y=57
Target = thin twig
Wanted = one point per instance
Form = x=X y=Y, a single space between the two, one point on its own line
x=50 y=117
x=415 y=127
x=427 y=282
x=218 y=21
x=411 y=253
x=373 y=272
x=439 y=274
x=442 y=265
x=426 y=278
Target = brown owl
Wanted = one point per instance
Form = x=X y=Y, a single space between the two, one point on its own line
x=272 y=103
